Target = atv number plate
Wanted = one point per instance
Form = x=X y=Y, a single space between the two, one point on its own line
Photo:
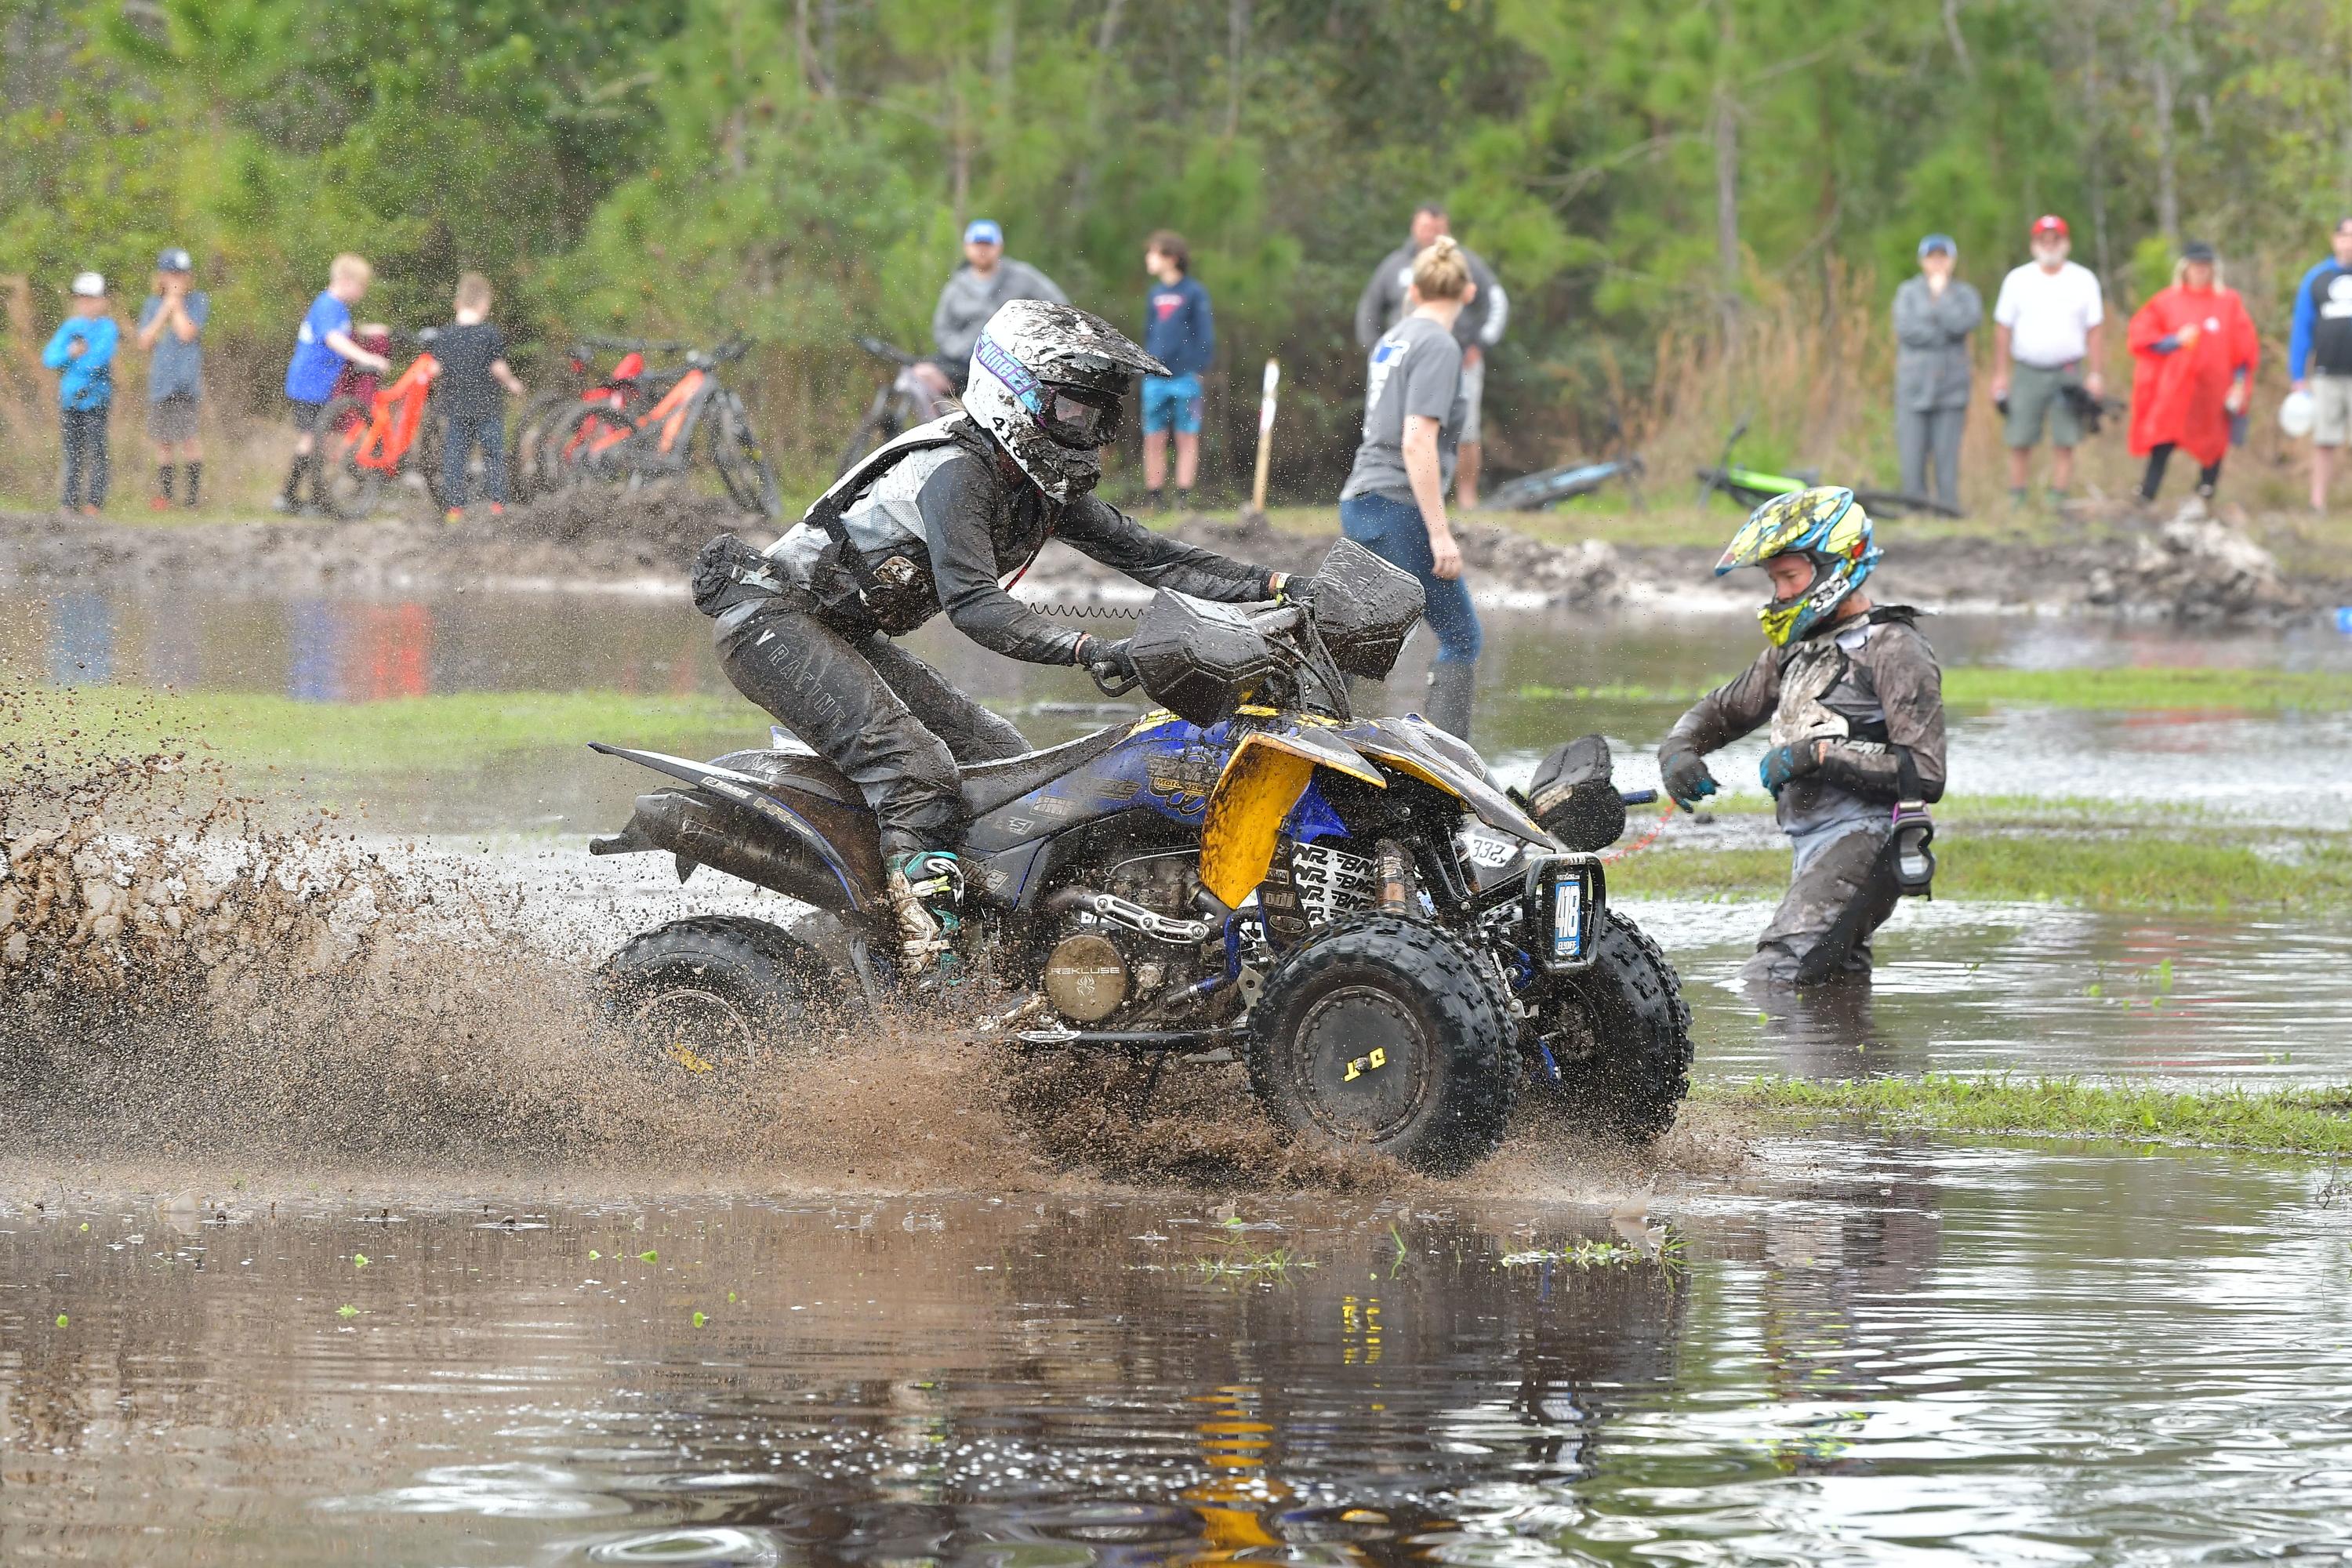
x=1568 y=920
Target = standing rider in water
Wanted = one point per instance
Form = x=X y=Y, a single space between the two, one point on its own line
x=932 y=522
x=1856 y=704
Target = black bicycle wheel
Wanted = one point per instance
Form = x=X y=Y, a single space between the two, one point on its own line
x=425 y=452
x=1902 y=503
x=742 y=467
x=541 y=426
x=349 y=490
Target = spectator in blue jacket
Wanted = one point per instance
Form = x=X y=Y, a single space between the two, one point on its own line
x=1178 y=332
x=82 y=353
x=2319 y=357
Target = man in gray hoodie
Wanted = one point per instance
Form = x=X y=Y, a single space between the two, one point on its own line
x=987 y=278
x=1485 y=314
x=1934 y=314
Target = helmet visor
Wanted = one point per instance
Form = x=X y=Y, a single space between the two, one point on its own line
x=1083 y=419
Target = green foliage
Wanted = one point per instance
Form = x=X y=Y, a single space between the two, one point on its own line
x=799 y=168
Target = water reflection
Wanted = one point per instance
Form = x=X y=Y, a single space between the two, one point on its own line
x=1868 y=1349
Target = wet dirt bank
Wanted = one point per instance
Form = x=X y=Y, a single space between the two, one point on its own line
x=2188 y=569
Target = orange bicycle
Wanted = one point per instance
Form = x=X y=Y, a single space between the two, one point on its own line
x=687 y=415
x=367 y=442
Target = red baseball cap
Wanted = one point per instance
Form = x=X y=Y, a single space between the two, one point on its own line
x=2051 y=223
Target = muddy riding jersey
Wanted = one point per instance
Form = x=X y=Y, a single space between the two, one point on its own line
x=940 y=526
x=1871 y=687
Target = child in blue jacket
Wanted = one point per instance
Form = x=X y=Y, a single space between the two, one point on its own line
x=83 y=354
x=1179 y=332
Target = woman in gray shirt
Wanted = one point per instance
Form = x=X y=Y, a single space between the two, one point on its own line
x=1394 y=500
x=1934 y=314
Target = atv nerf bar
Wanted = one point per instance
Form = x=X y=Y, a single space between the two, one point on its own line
x=1134 y=1042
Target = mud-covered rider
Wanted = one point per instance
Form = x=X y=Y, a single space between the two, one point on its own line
x=1856 y=700
x=935 y=520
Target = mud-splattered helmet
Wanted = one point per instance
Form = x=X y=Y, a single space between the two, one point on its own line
x=1826 y=526
x=1048 y=382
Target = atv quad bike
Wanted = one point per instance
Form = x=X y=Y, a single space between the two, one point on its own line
x=1349 y=905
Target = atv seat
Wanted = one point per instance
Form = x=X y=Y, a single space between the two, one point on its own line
x=987 y=785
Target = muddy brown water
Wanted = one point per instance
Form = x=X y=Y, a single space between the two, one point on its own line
x=1961 y=987
x=918 y=1342
x=1853 y=1353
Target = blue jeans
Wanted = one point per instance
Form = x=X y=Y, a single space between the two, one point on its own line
x=1392 y=529
x=457 y=445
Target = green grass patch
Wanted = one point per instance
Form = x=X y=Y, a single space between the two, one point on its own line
x=1983 y=688
x=2134 y=871
x=2283 y=1120
x=409 y=734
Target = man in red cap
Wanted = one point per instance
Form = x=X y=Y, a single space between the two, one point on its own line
x=2047 y=327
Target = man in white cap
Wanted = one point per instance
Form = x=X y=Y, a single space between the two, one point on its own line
x=170 y=329
x=987 y=278
x=82 y=353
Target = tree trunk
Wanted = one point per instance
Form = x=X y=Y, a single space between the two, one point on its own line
x=1003 y=49
x=1726 y=115
x=812 y=69
x=2094 y=117
x=1953 y=36
x=1237 y=33
x=1082 y=183
x=2162 y=81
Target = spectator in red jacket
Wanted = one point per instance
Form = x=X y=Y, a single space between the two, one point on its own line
x=2193 y=350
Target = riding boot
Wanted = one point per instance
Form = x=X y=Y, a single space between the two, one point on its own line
x=916 y=876
x=1453 y=689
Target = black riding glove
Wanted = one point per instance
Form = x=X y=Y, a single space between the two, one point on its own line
x=1686 y=779
x=1107 y=660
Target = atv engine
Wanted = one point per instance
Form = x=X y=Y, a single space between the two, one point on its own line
x=1125 y=949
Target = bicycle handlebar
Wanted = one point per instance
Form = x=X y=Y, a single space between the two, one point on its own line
x=890 y=351
x=636 y=346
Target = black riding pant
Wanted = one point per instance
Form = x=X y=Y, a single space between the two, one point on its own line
x=1841 y=892
x=889 y=721
x=2158 y=457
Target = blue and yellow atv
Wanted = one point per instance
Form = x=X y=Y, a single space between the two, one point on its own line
x=1351 y=906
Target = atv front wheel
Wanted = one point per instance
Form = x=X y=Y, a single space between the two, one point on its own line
x=1619 y=1031
x=705 y=999
x=1381 y=1033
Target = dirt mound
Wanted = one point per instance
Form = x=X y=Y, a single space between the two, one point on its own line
x=648 y=535
x=2195 y=568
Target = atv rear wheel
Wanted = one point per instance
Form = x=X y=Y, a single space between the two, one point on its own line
x=1619 y=1032
x=703 y=1001
x=1382 y=1034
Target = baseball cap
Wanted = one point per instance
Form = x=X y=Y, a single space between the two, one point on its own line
x=2051 y=223
x=1936 y=242
x=88 y=286
x=982 y=231
x=174 y=260
x=2197 y=250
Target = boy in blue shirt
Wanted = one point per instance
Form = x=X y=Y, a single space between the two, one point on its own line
x=83 y=354
x=1178 y=332
x=320 y=346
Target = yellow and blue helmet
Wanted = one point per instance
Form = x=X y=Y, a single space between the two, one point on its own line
x=1828 y=527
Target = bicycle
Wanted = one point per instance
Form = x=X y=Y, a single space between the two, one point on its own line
x=689 y=414
x=368 y=441
x=1536 y=492
x=900 y=403
x=547 y=419
x=1751 y=488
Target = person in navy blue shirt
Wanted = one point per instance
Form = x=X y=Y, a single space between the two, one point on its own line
x=1179 y=332
x=321 y=344
x=82 y=353
x=2319 y=357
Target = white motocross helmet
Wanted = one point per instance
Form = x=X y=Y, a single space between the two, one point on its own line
x=1048 y=382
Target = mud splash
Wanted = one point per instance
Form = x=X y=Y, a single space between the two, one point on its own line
x=181 y=980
